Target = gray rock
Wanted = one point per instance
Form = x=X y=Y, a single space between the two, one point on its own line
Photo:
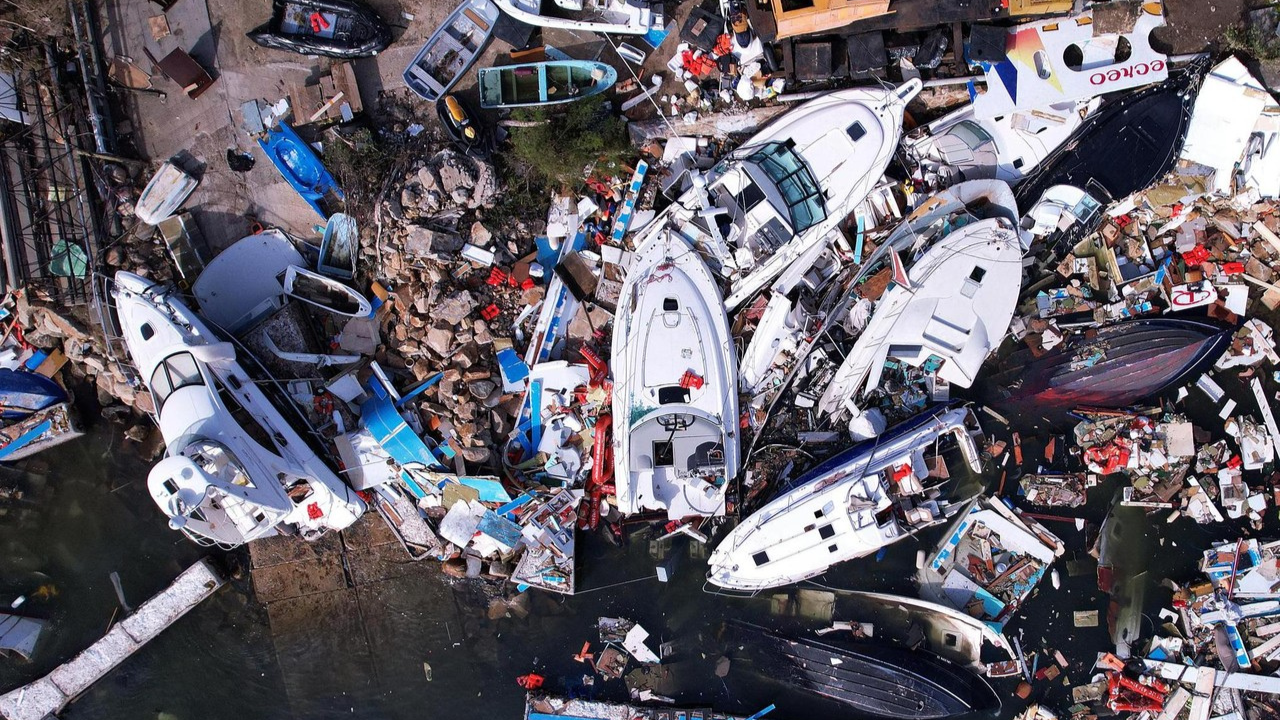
x=423 y=242
x=480 y=235
x=482 y=389
x=439 y=341
x=455 y=308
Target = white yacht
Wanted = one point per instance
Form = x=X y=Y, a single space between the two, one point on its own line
x=788 y=188
x=947 y=312
x=235 y=470
x=960 y=146
x=847 y=507
x=615 y=17
x=675 y=405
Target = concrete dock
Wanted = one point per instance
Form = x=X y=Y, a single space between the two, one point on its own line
x=51 y=693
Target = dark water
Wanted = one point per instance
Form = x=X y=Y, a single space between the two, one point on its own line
x=86 y=514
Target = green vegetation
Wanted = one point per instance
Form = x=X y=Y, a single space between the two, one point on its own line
x=364 y=165
x=562 y=144
x=1250 y=41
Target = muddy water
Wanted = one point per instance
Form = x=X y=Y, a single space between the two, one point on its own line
x=85 y=515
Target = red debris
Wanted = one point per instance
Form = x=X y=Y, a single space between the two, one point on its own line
x=691 y=379
x=490 y=312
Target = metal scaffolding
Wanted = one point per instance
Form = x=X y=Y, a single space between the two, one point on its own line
x=49 y=220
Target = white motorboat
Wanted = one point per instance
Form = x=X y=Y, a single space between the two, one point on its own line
x=675 y=409
x=615 y=17
x=788 y=188
x=235 y=470
x=847 y=507
x=948 y=311
x=960 y=146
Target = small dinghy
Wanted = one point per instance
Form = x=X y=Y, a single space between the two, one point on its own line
x=675 y=405
x=300 y=166
x=467 y=133
x=336 y=28
x=325 y=293
x=339 y=246
x=164 y=194
x=452 y=49
x=543 y=83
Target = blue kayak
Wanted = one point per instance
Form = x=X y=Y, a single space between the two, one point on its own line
x=300 y=166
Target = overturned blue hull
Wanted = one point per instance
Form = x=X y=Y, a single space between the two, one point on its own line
x=23 y=393
x=300 y=166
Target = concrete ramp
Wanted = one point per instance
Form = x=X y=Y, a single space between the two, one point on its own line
x=51 y=693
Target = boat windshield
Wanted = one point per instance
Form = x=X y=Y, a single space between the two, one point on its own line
x=794 y=180
x=173 y=373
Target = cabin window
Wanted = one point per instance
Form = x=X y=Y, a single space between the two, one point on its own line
x=832 y=548
x=951 y=640
x=1018 y=163
x=174 y=373
x=664 y=454
x=856 y=131
x=147 y=331
x=170 y=487
x=794 y=5
x=794 y=180
x=670 y=305
x=817 y=513
x=826 y=532
x=760 y=558
x=977 y=274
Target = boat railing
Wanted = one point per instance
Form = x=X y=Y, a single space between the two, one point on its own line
x=113 y=337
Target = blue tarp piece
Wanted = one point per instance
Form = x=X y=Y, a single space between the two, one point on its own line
x=499 y=528
x=22 y=393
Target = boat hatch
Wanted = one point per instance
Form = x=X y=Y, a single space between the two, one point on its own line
x=173 y=373
x=973 y=282
x=760 y=558
x=794 y=180
x=673 y=394
x=856 y=131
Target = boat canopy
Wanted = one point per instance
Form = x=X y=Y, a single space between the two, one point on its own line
x=795 y=181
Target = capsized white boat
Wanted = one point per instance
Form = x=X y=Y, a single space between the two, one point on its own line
x=788 y=188
x=943 y=315
x=164 y=194
x=960 y=146
x=675 y=409
x=235 y=470
x=615 y=17
x=849 y=506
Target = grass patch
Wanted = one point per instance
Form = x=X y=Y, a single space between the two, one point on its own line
x=1250 y=41
x=566 y=144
